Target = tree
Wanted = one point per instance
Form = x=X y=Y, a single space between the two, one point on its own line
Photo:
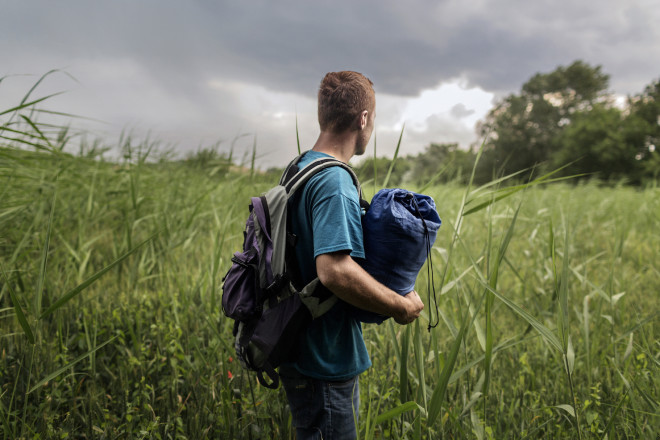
x=523 y=128
x=642 y=129
x=428 y=165
x=597 y=141
x=365 y=170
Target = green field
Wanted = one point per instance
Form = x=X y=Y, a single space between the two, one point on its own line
x=547 y=303
x=110 y=323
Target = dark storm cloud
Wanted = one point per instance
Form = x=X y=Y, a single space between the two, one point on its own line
x=404 y=46
x=409 y=46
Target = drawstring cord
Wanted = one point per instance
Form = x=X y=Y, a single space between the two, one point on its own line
x=429 y=267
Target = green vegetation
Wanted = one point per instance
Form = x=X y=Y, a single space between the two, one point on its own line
x=563 y=117
x=110 y=320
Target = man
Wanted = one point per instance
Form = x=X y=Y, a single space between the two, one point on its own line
x=322 y=384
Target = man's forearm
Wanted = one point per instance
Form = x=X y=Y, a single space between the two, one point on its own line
x=346 y=279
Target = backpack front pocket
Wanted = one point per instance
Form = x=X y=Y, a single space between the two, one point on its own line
x=240 y=286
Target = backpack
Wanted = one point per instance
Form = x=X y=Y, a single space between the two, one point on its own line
x=261 y=290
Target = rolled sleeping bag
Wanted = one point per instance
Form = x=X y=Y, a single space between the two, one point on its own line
x=395 y=241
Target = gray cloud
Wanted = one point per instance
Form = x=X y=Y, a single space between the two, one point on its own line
x=405 y=47
x=460 y=111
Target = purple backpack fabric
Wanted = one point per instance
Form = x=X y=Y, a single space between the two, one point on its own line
x=243 y=296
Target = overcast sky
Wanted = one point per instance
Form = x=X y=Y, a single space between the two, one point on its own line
x=196 y=72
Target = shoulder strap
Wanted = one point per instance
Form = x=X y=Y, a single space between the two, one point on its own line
x=297 y=181
x=290 y=170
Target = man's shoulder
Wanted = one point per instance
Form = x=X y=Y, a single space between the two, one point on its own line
x=329 y=180
x=333 y=181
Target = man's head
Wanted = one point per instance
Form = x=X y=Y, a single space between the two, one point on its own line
x=344 y=97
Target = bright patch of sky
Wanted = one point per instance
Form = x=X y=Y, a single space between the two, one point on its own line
x=447 y=113
x=620 y=101
x=262 y=103
x=453 y=99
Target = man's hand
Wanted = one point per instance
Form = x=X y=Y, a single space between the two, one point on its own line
x=413 y=306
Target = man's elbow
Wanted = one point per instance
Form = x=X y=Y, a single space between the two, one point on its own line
x=326 y=279
x=325 y=270
x=329 y=268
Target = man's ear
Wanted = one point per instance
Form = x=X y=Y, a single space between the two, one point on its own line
x=364 y=117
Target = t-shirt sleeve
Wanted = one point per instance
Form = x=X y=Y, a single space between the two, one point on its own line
x=336 y=214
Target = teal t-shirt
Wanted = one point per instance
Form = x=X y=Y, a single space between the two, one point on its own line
x=326 y=217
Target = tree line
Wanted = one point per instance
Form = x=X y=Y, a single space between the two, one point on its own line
x=564 y=119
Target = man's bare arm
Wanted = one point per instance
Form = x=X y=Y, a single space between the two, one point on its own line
x=346 y=279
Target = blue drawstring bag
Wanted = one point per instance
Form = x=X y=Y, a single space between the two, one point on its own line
x=399 y=230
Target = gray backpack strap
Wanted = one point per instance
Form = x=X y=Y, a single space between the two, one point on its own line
x=314 y=304
x=314 y=167
x=287 y=170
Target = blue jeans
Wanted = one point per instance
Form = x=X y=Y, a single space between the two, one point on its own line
x=321 y=409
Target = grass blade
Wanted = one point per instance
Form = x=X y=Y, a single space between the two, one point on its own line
x=39 y=132
x=440 y=390
x=60 y=370
x=614 y=414
x=499 y=180
x=76 y=290
x=44 y=258
x=28 y=104
x=254 y=156
x=396 y=412
x=375 y=164
x=550 y=337
x=22 y=320
x=26 y=142
x=419 y=363
x=435 y=177
x=40 y=80
x=403 y=370
x=396 y=153
x=489 y=300
x=509 y=191
x=297 y=135
x=5 y=413
x=562 y=293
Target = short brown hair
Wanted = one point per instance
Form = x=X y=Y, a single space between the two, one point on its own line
x=342 y=97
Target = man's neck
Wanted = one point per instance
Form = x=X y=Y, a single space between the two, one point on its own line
x=339 y=145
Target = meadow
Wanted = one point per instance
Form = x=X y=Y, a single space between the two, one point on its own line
x=111 y=325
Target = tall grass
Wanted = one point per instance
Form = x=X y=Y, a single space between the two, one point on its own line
x=111 y=326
